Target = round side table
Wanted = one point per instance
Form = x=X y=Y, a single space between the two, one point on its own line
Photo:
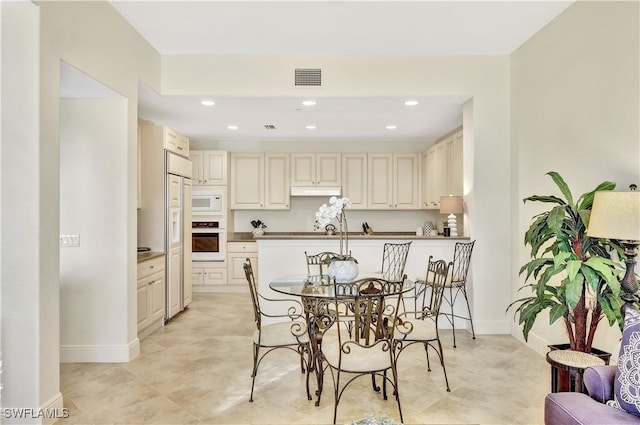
x=575 y=362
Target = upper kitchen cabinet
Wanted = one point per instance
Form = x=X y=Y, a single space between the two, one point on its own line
x=247 y=181
x=315 y=169
x=393 y=181
x=354 y=179
x=260 y=181
x=171 y=139
x=276 y=182
x=209 y=167
x=454 y=166
x=442 y=171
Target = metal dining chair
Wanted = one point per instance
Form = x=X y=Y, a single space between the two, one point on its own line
x=290 y=333
x=358 y=341
x=421 y=326
x=457 y=285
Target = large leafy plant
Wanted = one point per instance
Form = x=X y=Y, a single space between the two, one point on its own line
x=576 y=279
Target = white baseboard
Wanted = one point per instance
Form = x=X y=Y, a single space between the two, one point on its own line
x=99 y=354
x=491 y=327
x=535 y=342
x=53 y=407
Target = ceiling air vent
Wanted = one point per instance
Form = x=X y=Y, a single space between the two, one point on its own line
x=308 y=77
x=270 y=126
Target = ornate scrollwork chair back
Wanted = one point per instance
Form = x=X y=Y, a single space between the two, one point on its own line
x=289 y=331
x=421 y=326
x=320 y=261
x=359 y=341
x=394 y=259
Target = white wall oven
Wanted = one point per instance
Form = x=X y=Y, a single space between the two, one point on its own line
x=208 y=240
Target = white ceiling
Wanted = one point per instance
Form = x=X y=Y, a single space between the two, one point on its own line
x=306 y=27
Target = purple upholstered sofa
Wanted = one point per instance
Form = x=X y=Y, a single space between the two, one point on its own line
x=569 y=408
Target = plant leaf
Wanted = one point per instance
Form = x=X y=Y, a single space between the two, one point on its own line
x=586 y=200
x=573 y=290
x=573 y=267
x=557 y=311
x=560 y=258
x=556 y=217
x=549 y=198
x=604 y=268
x=562 y=185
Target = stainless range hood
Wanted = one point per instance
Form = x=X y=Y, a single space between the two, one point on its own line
x=315 y=190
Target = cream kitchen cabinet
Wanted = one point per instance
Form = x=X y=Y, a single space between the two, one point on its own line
x=260 y=181
x=209 y=167
x=316 y=169
x=276 y=182
x=433 y=176
x=442 y=171
x=208 y=274
x=171 y=139
x=237 y=253
x=454 y=165
x=151 y=295
x=393 y=181
x=354 y=179
x=247 y=181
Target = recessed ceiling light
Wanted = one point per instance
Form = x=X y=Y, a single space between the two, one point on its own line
x=411 y=102
x=309 y=102
x=232 y=127
x=208 y=102
x=391 y=127
x=310 y=127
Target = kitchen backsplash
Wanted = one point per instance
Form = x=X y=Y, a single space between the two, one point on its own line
x=301 y=216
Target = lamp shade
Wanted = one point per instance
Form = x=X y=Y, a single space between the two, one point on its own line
x=451 y=205
x=615 y=215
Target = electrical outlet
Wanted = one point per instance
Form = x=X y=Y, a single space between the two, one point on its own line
x=67 y=241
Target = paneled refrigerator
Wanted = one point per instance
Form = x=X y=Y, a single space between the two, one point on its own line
x=164 y=216
x=178 y=233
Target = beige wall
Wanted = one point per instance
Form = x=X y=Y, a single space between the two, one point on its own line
x=575 y=90
x=95 y=39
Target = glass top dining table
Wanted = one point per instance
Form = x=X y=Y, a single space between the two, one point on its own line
x=320 y=286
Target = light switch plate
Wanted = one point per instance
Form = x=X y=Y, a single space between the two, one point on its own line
x=68 y=241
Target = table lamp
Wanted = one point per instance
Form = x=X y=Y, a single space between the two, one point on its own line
x=616 y=215
x=451 y=205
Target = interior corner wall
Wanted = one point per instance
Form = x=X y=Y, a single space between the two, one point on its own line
x=93 y=38
x=23 y=278
x=575 y=93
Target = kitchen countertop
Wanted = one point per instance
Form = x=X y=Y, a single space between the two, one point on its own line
x=148 y=255
x=247 y=236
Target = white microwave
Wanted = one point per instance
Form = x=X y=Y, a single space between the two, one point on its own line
x=209 y=202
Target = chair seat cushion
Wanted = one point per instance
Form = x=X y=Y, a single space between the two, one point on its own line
x=360 y=359
x=278 y=334
x=423 y=330
x=568 y=408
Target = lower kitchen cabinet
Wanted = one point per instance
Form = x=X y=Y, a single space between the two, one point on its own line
x=151 y=293
x=207 y=275
x=237 y=253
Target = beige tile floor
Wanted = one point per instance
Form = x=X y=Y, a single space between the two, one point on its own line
x=196 y=370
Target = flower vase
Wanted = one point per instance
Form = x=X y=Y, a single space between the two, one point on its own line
x=257 y=232
x=343 y=271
